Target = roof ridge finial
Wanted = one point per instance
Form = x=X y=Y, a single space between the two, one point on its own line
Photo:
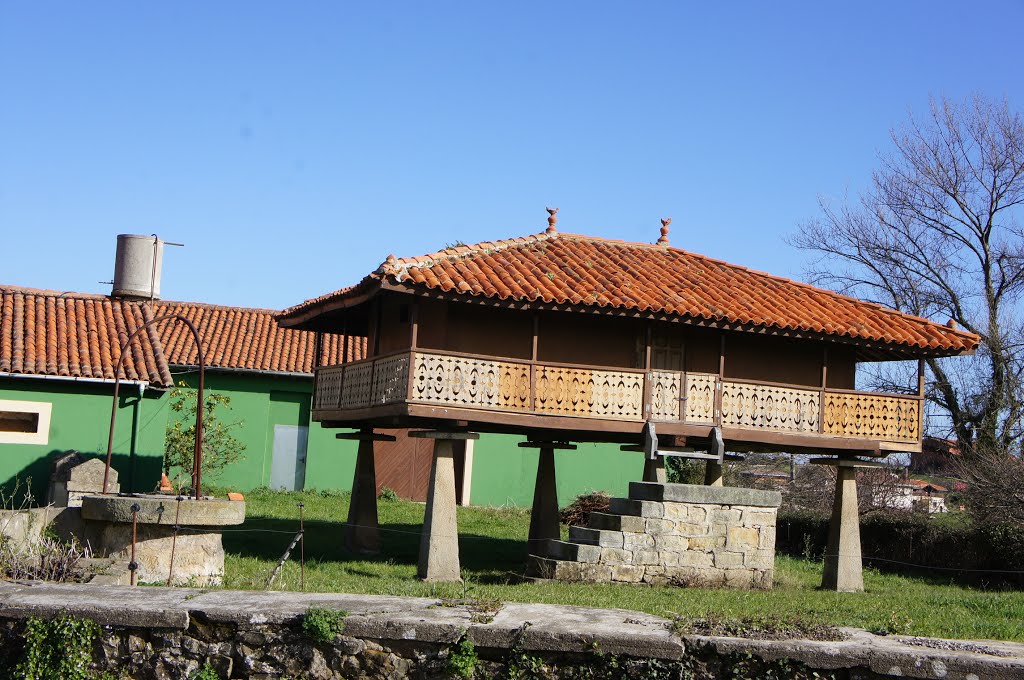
x=665 y=221
x=551 y=230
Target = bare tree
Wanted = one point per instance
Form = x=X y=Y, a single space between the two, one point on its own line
x=938 y=234
x=994 y=487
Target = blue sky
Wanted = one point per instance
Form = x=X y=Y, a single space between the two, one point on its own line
x=292 y=146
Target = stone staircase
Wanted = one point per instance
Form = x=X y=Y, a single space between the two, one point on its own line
x=677 y=534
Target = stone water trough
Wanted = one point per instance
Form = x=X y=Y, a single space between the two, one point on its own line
x=198 y=553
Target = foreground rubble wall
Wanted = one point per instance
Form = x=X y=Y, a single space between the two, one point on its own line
x=173 y=632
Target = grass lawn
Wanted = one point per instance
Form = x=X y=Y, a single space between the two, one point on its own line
x=493 y=551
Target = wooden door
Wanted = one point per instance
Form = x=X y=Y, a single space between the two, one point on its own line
x=404 y=465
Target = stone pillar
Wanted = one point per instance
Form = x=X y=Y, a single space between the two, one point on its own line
x=439 y=545
x=544 y=518
x=362 y=533
x=654 y=470
x=842 y=571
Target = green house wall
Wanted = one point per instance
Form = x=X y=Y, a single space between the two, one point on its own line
x=80 y=420
x=259 y=402
x=502 y=473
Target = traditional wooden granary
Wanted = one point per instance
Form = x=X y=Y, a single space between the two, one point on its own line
x=567 y=338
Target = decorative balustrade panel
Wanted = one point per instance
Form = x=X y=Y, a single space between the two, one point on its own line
x=700 y=397
x=356 y=388
x=390 y=380
x=770 y=408
x=463 y=381
x=666 y=390
x=328 y=387
x=873 y=416
x=591 y=393
x=617 y=395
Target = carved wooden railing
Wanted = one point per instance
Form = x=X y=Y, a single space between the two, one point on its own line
x=361 y=384
x=874 y=416
x=469 y=382
x=520 y=386
x=770 y=407
x=595 y=393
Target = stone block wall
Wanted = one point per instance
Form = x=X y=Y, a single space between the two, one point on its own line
x=676 y=534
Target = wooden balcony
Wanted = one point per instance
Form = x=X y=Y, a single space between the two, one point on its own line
x=442 y=385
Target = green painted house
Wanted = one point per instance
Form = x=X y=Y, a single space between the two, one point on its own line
x=58 y=352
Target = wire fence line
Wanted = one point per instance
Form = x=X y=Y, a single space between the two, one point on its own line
x=299 y=537
x=471 y=537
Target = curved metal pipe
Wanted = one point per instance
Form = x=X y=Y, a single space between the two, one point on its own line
x=197 y=457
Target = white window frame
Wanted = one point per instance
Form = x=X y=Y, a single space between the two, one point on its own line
x=42 y=434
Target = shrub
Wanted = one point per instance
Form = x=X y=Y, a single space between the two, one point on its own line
x=58 y=648
x=207 y=672
x=907 y=542
x=387 y=494
x=323 y=624
x=462 y=660
x=220 y=447
x=45 y=559
x=679 y=470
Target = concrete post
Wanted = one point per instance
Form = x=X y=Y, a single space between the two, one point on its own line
x=843 y=571
x=544 y=521
x=654 y=470
x=439 y=545
x=362 y=534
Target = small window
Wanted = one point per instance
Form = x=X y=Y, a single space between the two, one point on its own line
x=24 y=422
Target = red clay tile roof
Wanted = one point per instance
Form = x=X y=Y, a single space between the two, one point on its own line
x=597 y=272
x=246 y=339
x=46 y=332
x=79 y=335
x=923 y=485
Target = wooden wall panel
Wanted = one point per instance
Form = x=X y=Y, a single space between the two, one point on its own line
x=592 y=341
x=763 y=358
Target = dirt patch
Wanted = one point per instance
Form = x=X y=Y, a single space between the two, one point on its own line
x=756 y=628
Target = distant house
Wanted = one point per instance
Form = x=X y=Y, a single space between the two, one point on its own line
x=917 y=494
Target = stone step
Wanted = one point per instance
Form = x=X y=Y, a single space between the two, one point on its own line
x=634 y=508
x=596 y=537
x=700 y=494
x=572 y=552
x=612 y=522
x=543 y=567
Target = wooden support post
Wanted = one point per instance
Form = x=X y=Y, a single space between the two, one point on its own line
x=647 y=387
x=533 y=362
x=362 y=531
x=544 y=520
x=439 y=545
x=414 y=323
x=717 y=415
x=824 y=387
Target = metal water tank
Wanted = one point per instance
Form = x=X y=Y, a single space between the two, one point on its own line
x=137 y=266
